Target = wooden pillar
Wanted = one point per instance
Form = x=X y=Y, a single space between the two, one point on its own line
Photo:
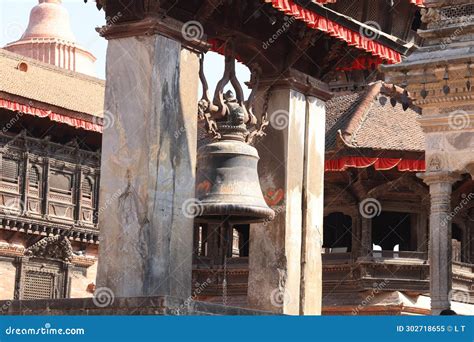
x=45 y=185
x=440 y=247
x=356 y=235
x=366 y=237
x=148 y=160
x=285 y=269
x=470 y=232
x=78 y=193
x=25 y=183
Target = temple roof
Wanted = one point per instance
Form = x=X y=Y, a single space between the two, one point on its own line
x=48 y=20
x=359 y=120
x=353 y=32
x=49 y=38
x=29 y=80
x=272 y=35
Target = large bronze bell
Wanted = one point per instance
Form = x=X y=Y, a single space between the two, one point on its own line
x=228 y=187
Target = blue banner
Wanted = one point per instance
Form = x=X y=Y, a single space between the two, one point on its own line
x=236 y=328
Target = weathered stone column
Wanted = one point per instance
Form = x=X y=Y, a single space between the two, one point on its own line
x=313 y=208
x=440 y=255
x=148 y=161
x=285 y=270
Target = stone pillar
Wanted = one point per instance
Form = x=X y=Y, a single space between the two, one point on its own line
x=440 y=255
x=148 y=162
x=313 y=208
x=285 y=269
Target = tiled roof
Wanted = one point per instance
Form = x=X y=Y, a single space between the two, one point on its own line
x=51 y=85
x=339 y=111
x=359 y=120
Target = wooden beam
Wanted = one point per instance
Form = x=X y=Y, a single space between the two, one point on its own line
x=207 y=9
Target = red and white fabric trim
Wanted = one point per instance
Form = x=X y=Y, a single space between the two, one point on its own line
x=336 y=30
x=380 y=164
x=42 y=113
x=415 y=2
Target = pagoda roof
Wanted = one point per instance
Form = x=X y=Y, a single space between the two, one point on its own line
x=310 y=42
x=354 y=33
x=358 y=120
x=41 y=89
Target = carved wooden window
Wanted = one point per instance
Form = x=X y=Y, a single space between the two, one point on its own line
x=61 y=182
x=33 y=176
x=10 y=170
x=44 y=270
x=87 y=188
x=38 y=285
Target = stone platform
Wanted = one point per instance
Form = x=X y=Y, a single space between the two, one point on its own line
x=158 y=305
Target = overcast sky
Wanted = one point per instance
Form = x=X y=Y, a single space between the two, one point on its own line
x=14 y=15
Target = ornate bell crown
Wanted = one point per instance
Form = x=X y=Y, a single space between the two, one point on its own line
x=228 y=116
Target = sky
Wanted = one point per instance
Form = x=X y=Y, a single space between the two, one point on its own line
x=14 y=15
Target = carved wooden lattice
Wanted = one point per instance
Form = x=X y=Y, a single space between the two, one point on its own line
x=33 y=176
x=38 y=285
x=10 y=170
x=457 y=11
x=43 y=272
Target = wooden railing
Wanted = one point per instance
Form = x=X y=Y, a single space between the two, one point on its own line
x=399 y=255
x=337 y=257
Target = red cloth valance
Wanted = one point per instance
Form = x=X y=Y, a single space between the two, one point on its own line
x=362 y=63
x=219 y=47
x=380 y=164
x=42 y=113
x=336 y=30
x=416 y=2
